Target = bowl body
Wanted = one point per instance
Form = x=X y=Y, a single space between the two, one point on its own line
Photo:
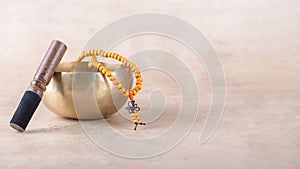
x=78 y=92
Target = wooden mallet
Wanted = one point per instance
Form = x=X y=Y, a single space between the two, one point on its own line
x=34 y=93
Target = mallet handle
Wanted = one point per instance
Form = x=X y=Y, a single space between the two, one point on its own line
x=45 y=71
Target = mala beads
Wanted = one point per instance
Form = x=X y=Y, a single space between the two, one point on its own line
x=132 y=106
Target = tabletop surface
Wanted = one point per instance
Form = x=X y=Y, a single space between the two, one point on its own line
x=258 y=44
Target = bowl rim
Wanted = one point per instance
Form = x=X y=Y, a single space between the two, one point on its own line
x=69 y=67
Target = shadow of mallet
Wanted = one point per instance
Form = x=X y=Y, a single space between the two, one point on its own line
x=34 y=93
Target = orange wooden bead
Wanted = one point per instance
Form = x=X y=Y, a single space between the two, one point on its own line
x=136 y=89
x=105 y=54
x=133 y=115
x=122 y=90
x=134 y=69
x=139 y=87
x=100 y=68
x=98 y=52
x=115 y=56
x=130 y=94
x=119 y=86
x=115 y=82
x=108 y=74
x=134 y=92
x=126 y=93
x=111 y=78
x=139 y=79
x=88 y=53
x=137 y=75
x=103 y=71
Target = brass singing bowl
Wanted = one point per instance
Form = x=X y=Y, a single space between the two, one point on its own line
x=79 y=92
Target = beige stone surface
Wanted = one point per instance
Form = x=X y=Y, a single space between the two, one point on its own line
x=258 y=44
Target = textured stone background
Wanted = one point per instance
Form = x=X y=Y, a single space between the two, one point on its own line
x=258 y=44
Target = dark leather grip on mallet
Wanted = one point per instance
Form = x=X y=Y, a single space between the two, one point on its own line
x=34 y=93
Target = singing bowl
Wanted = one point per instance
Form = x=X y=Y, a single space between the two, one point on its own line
x=79 y=92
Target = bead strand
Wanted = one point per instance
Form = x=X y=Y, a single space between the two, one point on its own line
x=103 y=70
